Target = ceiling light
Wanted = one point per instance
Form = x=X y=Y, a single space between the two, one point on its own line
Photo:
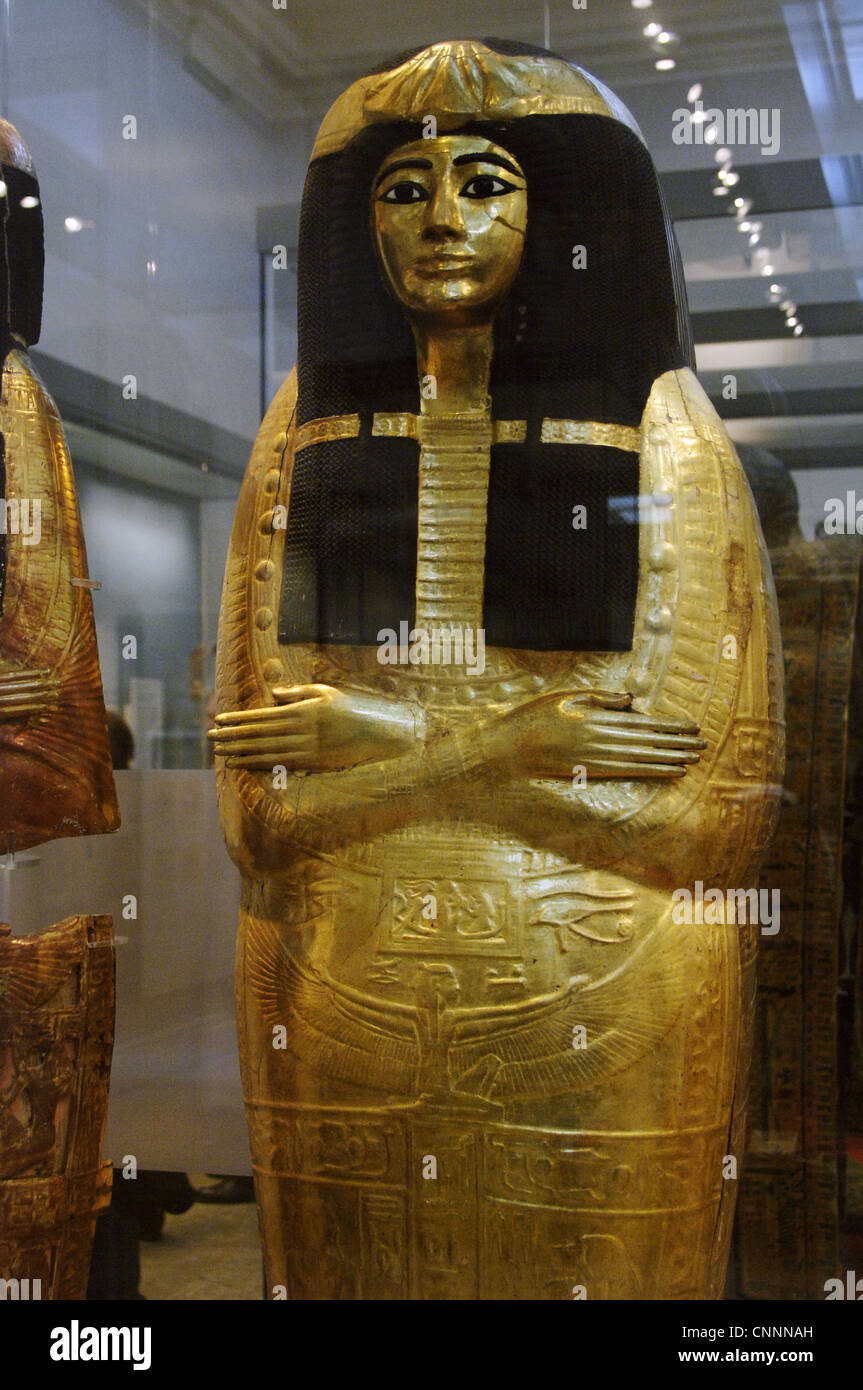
x=2 y=189
x=641 y=4
x=767 y=270
x=709 y=134
x=650 y=30
x=788 y=306
x=73 y=224
x=722 y=155
x=698 y=117
x=731 y=177
x=29 y=201
x=754 y=239
x=719 y=191
x=792 y=321
x=798 y=330
x=666 y=37
x=694 y=93
x=744 y=226
x=665 y=65
x=775 y=289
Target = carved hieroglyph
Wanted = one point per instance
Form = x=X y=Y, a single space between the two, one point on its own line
x=480 y=1058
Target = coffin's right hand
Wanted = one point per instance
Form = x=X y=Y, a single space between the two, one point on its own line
x=314 y=728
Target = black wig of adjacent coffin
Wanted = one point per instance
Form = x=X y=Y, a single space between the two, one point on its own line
x=583 y=344
x=22 y=267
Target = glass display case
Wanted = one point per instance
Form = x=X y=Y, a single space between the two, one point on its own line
x=184 y=276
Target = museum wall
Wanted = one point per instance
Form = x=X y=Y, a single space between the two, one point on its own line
x=164 y=285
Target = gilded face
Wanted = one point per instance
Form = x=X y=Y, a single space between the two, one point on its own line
x=449 y=218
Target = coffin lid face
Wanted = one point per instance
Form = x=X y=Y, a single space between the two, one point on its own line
x=596 y=314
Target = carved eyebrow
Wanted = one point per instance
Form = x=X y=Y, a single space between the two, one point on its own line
x=488 y=159
x=416 y=163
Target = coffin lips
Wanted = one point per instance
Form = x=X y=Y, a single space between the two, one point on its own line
x=444 y=260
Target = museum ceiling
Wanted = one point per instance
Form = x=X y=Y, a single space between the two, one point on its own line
x=804 y=199
x=293 y=62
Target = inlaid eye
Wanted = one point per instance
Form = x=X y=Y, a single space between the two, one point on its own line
x=487 y=186
x=405 y=191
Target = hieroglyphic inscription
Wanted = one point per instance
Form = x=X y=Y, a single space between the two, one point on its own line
x=787 y=1234
x=445 y=916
